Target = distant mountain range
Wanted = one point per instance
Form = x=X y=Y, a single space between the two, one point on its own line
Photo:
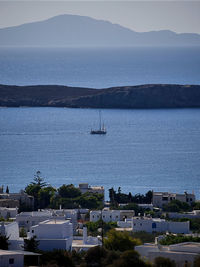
x=130 y=97
x=74 y=30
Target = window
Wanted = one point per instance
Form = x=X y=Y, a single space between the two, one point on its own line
x=154 y=225
x=165 y=198
x=11 y=261
x=32 y=231
x=141 y=224
x=190 y=199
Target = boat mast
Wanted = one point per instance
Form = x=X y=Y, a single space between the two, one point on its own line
x=99 y=119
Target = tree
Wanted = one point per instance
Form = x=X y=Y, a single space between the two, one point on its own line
x=120 y=241
x=95 y=256
x=197 y=262
x=7 y=190
x=164 y=262
x=57 y=257
x=69 y=191
x=22 y=232
x=129 y=258
x=31 y=244
x=177 y=206
x=4 y=243
x=44 y=196
x=33 y=188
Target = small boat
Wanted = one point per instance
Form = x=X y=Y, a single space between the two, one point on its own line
x=101 y=130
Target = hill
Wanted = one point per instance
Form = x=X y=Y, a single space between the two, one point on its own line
x=130 y=97
x=74 y=30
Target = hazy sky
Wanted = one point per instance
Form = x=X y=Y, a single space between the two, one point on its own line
x=179 y=16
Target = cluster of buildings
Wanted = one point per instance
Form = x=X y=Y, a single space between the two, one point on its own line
x=60 y=229
x=183 y=254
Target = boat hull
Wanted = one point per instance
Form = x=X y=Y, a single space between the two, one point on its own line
x=98 y=132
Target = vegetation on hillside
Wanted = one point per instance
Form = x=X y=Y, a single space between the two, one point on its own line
x=175 y=239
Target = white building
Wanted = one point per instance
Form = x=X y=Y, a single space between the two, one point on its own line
x=11 y=258
x=22 y=197
x=53 y=234
x=190 y=215
x=7 y=213
x=11 y=230
x=85 y=242
x=181 y=253
x=111 y=215
x=84 y=187
x=146 y=206
x=163 y=198
x=159 y=225
x=68 y=214
x=28 y=219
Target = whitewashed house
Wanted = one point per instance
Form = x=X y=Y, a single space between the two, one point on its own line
x=190 y=215
x=11 y=258
x=181 y=253
x=28 y=219
x=162 y=198
x=8 y=213
x=159 y=225
x=11 y=230
x=84 y=187
x=22 y=197
x=53 y=234
x=111 y=215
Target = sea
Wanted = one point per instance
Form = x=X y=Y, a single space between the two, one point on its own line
x=143 y=149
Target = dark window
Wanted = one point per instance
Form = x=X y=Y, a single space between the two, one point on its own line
x=170 y=198
x=32 y=231
x=154 y=225
x=11 y=261
x=141 y=224
x=165 y=198
x=190 y=199
x=187 y=199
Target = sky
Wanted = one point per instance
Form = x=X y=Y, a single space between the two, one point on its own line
x=179 y=16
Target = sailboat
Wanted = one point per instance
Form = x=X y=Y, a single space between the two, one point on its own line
x=101 y=130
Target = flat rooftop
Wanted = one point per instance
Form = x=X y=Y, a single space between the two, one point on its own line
x=54 y=221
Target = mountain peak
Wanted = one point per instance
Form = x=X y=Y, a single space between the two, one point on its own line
x=75 y=30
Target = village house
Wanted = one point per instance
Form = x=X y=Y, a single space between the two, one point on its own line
x=21 y=197
x=7 y=213
x=159 y=225
x=53 y=234
x=84 y=187
x=11 y=230
x=108 y=215
x=183 y=254
x=162 y=198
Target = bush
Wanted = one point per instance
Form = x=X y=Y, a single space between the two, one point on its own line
x=164 y=262
x=175 y=239
x=120 y=241
x=177 y=206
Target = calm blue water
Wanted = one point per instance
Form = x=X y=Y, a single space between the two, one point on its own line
x=99 y=68
x=143 y=149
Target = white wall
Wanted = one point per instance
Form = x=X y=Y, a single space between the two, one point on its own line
x=18 y=260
